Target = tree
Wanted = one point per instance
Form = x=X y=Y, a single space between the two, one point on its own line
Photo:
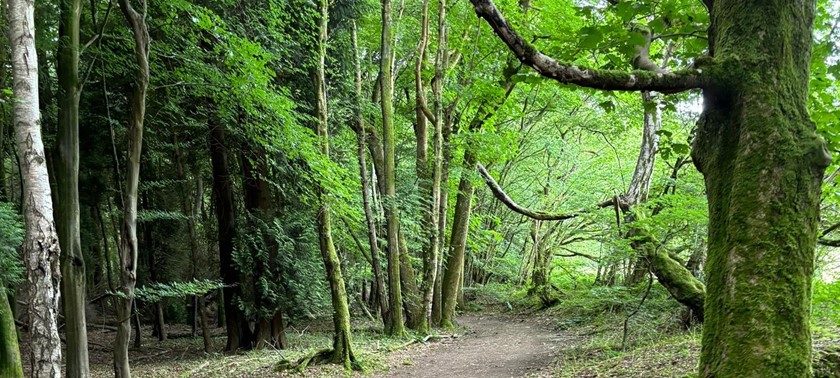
x=342 y=352
x=41 y=248
x=67 y=177
x=367 y=190
x=763 y=164
x=128 y=241
x=392 y=219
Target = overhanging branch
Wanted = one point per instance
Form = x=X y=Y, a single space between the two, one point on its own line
x=667 y=82
x=500 y=194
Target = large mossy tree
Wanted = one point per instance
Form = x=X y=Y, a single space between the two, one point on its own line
x=763 y=164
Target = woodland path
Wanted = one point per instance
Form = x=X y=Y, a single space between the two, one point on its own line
x=493 y=346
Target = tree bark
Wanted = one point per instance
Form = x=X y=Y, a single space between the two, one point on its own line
x=41 y=247
x=392 y=219
x=67 y=177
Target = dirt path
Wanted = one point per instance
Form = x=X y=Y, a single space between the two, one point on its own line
x=494 y=346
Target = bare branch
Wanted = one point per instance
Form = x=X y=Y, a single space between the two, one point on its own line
x=500 y=194
x=667 y=82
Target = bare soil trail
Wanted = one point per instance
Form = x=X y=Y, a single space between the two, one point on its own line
x=493 y=346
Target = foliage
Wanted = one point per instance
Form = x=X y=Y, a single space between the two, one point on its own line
x=155 y=292
x=11 y=238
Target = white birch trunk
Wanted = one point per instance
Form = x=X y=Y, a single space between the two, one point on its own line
x=41 y=248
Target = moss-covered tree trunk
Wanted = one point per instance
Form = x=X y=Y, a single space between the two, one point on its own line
x=67 y=185
x=342 y=352
x=763 y=164
x=392 y=219
x=10 y=363
x=454 y=265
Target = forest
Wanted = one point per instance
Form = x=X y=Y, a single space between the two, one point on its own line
x=420 y=188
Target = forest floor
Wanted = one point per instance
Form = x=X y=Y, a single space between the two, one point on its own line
x=491 y=343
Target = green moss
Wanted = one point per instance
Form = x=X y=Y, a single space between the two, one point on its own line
x=10 y=363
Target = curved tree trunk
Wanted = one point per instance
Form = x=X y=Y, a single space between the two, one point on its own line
x=128 y=241
x=67 y=177
x=41 y=248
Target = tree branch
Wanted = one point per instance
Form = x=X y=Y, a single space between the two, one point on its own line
x=500 y=194
x=667 y=82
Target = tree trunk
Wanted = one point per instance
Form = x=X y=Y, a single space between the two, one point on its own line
x=361 y=136
x=430 y=261
x=392 y=219
x=342 y=352
x=408 y=285
x=260 y=206
x=236 y=326
x=128 y=241
x=67 y=177
x=10 y=363
x=763 y=164
x=454 y=267
x=41 y=248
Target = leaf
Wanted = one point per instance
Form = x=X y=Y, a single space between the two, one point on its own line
x=590 y=37
x=680 y=148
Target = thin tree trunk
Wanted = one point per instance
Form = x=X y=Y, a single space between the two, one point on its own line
x=430 y=266
x=128 y=242
x=41 y=247
x=342 y=352
x=67 y=177
x=370 y=218
x=392 y=219
x=205 y=327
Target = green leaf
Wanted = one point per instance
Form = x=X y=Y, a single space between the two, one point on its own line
x=590 y=37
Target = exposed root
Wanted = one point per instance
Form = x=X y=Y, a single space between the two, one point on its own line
x=422 y=340
x=317 y=357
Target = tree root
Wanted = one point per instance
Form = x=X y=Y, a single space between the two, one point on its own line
x=421 y=340
x=314 y=358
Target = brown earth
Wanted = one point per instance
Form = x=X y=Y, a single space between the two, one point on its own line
x=494 y=346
